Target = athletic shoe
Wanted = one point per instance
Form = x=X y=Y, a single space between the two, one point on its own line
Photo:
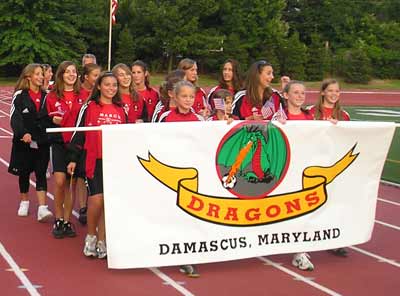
x=23 y=208
x=83 y=215
x=341 y=252
x=89 y=250
x=101 y=249
x=68 y=229
x=302 y=261
x=43 y=214
x=58 y=228
x=189 y=270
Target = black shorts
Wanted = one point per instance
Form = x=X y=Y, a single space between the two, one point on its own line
x=60 y=161
x=58 y=158
x=95 y=184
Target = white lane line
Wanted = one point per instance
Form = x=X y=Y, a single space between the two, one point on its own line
x=6 y=131
x=387 y=224
x=20 y=275
x=157 y=272
x=389 y=201
x=5 y=137
x=5 y=113
x=379 y=258
x=171 y=282
x=360 y=92
x=299 y=277
x=377 y=114
x=5 y=103
x=379 y=111
x=390 y=183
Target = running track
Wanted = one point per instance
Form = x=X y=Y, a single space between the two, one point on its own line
x=33 y=263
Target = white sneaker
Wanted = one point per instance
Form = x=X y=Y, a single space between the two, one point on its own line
x=302 y=261
x=43 y=214
x=23 y=208
x=90 y=246
x=101 y=249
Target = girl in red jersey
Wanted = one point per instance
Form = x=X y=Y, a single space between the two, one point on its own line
x=258 y=101
x=30 y=150
x=141 y=80
x=133 y=103
x=88 y=78
x=200 y=105
x=167 y=101
x=184 y=95
x=294 y=93
x=328 y=104
x=48 y=74
x=57 y=103
x=104 y=107
x=230 y=80
x=328 y=108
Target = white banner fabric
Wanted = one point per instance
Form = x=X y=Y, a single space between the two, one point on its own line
x=198 y=192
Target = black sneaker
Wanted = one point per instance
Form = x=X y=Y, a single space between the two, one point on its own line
x=341 y=252
x=189 y=270
x=83 y=215
x=69 y=230
x=58 y=229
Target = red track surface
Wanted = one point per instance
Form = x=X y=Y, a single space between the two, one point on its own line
x=58 y=267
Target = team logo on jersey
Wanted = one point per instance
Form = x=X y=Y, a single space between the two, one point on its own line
x=251 y=161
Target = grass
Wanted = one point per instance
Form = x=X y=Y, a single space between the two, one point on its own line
x=210 y=81
x=391 y=171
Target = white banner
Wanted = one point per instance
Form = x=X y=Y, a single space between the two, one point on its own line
x=197 y=192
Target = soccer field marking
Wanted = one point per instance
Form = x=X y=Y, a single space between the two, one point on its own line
x=393 y=160
x=387 y=111
x=378 y=114
x=6 y=103
x=26 y=283
x=379 y=258
x=299 y=277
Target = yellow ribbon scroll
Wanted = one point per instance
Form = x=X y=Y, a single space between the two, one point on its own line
x=247 y=212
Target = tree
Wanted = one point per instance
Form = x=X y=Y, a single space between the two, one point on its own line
x=316 y=56
x=125 y=52
x=356 y=65
x=36 y=31
x=293 y=57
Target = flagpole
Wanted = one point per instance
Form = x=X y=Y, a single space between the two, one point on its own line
x=109 y=38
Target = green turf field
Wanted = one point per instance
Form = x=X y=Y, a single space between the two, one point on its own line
x=391 y=171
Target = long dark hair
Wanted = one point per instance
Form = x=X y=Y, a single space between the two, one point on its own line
x=144 y=67
x=252 y=82
x=168 y=85
x=236 y=78
x=59 y=84
x=95 y=96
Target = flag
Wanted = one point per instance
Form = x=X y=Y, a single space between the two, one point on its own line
x=280 y=114
x=268 y=109
x=114 y=7
x=219 y=103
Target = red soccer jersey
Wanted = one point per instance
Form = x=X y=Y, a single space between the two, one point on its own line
x=199 y=100
x=35 y=97
x=243 y=108
x=96 y=115
x=327 y=113
x=302 y=116
x=151 y=98
x=174 y=116
x=84 y=94
x=135 y=110
x=59 y=106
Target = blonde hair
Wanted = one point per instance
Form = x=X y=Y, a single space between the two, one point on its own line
x=126 y=69
x=23 y=81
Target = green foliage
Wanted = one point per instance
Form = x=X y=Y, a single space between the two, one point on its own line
x=125 y=52
x=317 y=55
x=36 y=31
x=356 y=65
x=293 y=57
